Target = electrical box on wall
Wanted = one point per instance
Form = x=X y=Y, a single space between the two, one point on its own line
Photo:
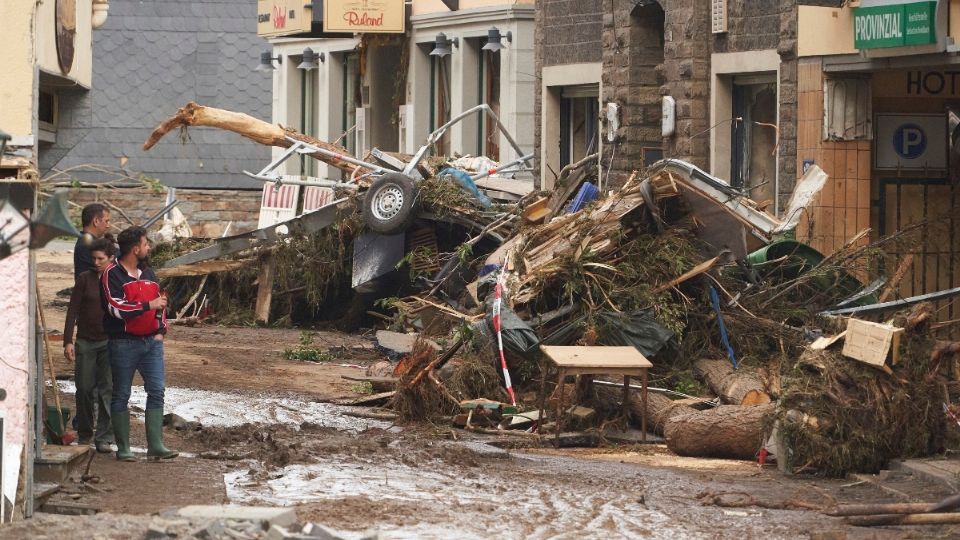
x=668 y=116
x=613 y=121
x=718 y=16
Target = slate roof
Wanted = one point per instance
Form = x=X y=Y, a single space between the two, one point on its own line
x=150 y=58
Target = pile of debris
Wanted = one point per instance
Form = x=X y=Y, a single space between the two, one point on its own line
x=739 y=320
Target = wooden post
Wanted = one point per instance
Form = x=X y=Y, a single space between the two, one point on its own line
x=265 y=288
x=643 y=398
x=626 y=402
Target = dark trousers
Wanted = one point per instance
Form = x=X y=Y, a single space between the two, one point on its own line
x=131 y=355
x=94 y=387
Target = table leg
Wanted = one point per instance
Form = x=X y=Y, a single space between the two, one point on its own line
x=542 y=396
x=626 y=402
x=558 y=419
x=643 y=415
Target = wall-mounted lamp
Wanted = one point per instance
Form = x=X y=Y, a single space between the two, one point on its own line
x=52 y=222
x=266 y=62
x=493 y=40
x=442 y=47
x=310 y=59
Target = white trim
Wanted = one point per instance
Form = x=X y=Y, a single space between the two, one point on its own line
x=552 y=77
x=722 y=67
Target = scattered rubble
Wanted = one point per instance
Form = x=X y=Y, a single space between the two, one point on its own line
x=700 y=279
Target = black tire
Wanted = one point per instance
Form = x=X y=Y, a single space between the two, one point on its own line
x=389 y=206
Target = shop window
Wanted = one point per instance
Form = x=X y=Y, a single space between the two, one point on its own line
x=489 y=136
x=753 y=159
x=579 y=116
x=47 y=115
x=440 y=99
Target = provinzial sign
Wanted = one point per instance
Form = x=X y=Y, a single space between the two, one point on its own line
x=910 y=141
x=283 y=17
x=880 y=23
x=364 y=16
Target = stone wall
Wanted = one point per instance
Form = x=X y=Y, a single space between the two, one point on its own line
x=566 y=32
x=207 y=211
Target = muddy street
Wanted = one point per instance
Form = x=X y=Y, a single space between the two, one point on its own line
x=414 y=482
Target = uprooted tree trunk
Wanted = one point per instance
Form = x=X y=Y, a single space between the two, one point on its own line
x=734 y=387
x=728 y=431
x=660 y=408
x=252 y=128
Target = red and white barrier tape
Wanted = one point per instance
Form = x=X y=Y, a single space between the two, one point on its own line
x=497 y=302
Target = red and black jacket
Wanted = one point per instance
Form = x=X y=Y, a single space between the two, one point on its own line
x=126 y=300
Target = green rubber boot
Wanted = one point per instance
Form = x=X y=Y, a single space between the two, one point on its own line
x=155 y=447
x=121 y=431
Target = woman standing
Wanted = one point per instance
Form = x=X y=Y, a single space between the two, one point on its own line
x=93 y=377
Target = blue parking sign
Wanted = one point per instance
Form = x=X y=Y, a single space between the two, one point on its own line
x=909 y=141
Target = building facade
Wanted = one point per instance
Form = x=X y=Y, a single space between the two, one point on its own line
x=371 y=88
x=878 y=103
x=722 y=72
x=150 y=58
x=45 y=43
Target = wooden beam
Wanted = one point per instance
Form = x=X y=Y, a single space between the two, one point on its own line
x=268 y=268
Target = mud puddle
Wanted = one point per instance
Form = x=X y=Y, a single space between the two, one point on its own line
x=223 y=409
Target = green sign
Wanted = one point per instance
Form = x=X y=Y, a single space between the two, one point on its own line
x=894 y=25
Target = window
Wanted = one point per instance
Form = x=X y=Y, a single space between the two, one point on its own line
x=489 y=136
x=440 y=100
x=753 y=148
x=579 y=116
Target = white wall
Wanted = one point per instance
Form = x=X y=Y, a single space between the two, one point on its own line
x=15 y=343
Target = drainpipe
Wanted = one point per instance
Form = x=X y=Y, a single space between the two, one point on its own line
x=99 y=16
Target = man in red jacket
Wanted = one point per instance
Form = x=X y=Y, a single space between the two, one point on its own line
x=135 y=322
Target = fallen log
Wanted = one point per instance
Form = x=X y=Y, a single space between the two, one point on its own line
x=660 y=408
x=904 y=519
x=882 y=508
x=728 y=431
x=193 y=114
x=736 y=387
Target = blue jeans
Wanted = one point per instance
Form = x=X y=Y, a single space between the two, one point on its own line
x=138 y=354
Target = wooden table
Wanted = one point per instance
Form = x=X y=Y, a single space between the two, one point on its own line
x=625 y=361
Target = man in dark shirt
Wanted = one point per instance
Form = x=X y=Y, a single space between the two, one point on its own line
x=95 y=220
x=92 y=370
x=135 y=323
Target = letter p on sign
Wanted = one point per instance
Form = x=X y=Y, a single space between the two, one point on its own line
x=909 y=141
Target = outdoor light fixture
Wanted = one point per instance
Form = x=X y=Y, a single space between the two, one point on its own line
x=442 y=48
x=493 y=40
x=266 y=62
x=310 y=59
x=52 y=222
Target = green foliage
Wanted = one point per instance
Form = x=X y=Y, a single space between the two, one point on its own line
x=364 y=387
x=306 y=352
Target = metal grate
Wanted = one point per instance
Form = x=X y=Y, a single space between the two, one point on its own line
x=718 y=16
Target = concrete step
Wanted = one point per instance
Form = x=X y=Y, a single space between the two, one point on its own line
x=56 y=463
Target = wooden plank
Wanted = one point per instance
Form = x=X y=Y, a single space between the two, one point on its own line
x=202 y=268
x=870 y=342
x=824 y=342
x=372 y=399
x=268 y=268
x=695 y=271
x=579 y=357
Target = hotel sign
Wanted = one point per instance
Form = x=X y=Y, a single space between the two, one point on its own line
x=881 y=23
x=283 y=17
x=364 y=16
